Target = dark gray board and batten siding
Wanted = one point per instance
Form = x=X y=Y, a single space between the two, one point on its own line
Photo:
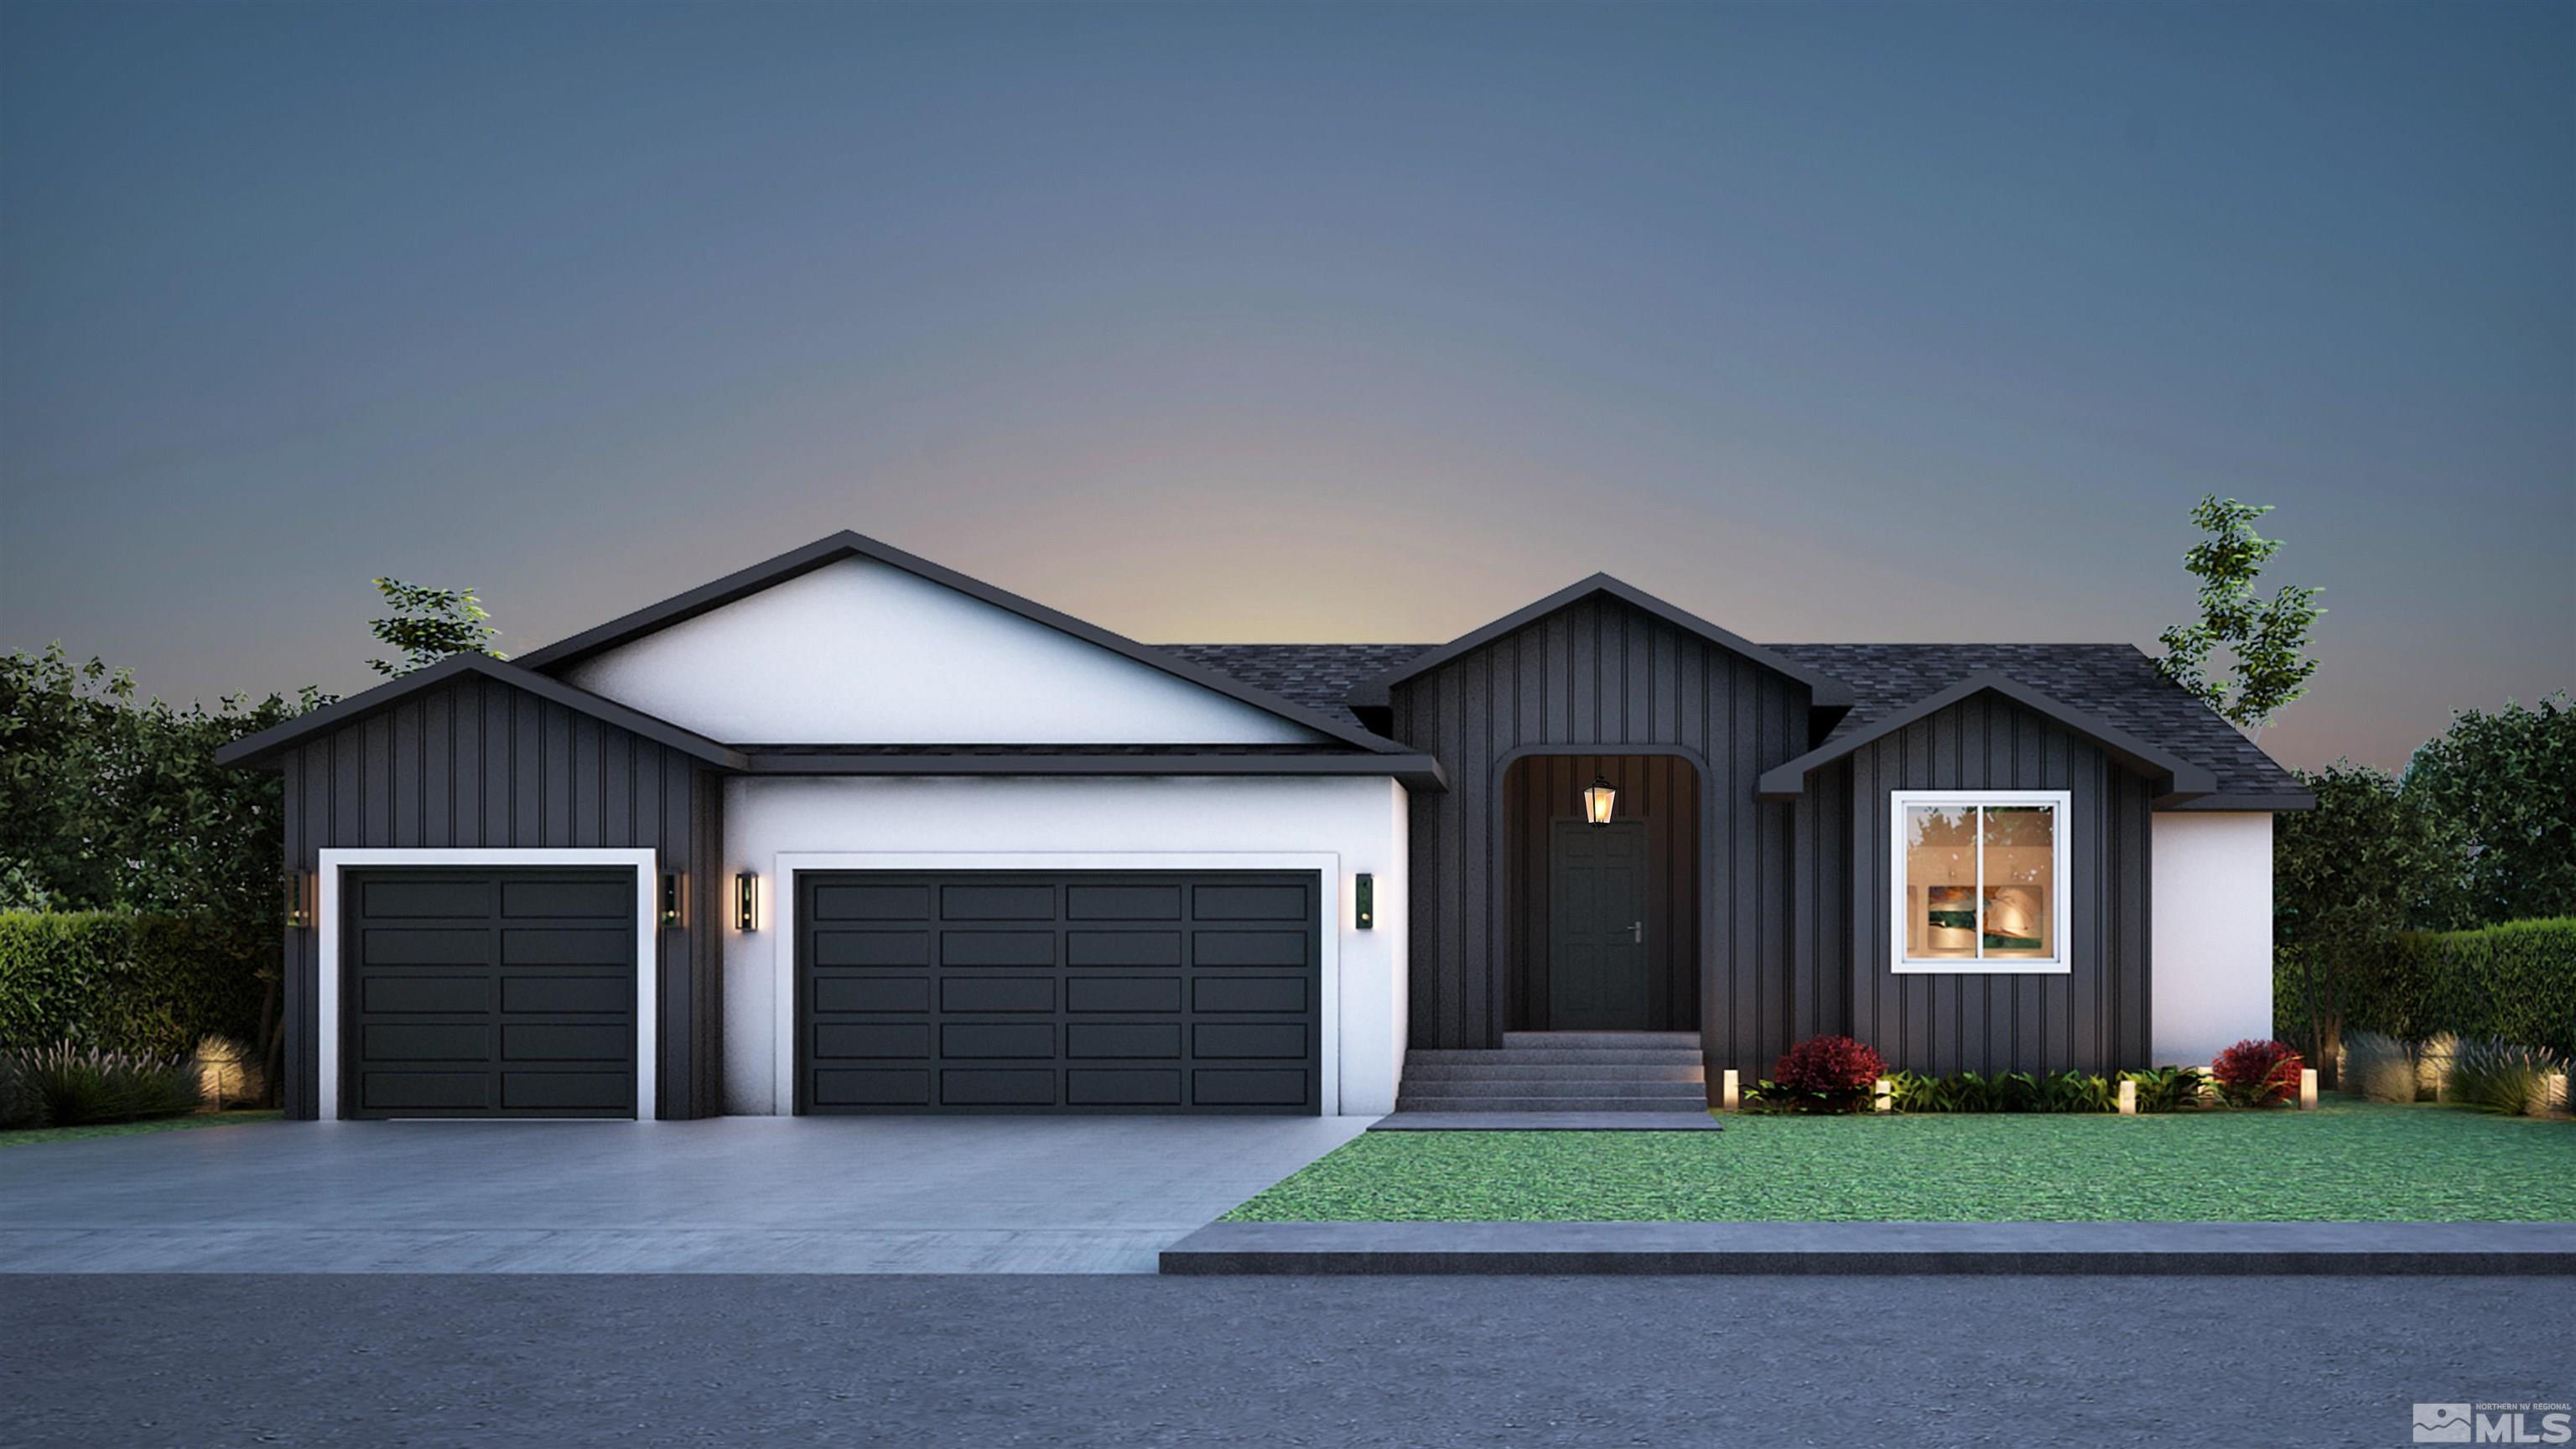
x=2092 y=1018
x=480 y=764
x=1600 y=676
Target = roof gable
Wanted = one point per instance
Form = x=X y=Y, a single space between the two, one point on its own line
x=648 y=657
x=267 y=746
x=1827 y=692
x=2180 y=778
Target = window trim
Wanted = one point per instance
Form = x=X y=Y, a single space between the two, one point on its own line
x=1899 y=801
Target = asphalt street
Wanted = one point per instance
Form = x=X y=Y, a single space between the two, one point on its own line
x=201 y=1360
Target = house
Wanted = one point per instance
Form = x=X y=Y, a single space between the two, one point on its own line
x=848 y=831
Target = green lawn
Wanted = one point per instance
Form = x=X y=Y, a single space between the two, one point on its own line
x=29 y=1136
x=2343 y=1162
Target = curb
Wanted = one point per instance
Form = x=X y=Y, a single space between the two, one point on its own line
x=2107 y=1249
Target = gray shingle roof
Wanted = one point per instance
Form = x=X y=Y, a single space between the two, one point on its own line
x=2115 y=681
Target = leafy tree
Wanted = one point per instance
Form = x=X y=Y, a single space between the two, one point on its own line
x=429 y=625
x=2507 y=783
x=2370 y=861
x=2266 y=641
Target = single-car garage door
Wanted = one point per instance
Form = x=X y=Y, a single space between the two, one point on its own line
x=1058 y=992
x=488 y=993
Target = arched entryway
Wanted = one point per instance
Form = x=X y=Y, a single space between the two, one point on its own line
x=1601 y=924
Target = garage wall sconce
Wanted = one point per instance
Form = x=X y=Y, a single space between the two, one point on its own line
x=746 y=902
x=674 y=891
x=299 y=900
x=1364 y=902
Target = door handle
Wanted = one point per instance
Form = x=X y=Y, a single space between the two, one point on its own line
x=1637 y=933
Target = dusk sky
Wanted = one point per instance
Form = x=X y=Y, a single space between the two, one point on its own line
x=1827 y=322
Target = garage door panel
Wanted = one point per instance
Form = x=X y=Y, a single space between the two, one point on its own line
x=551 y=1041
x=997 y=993
x=991 y=1087
x=427 y=1041
x=871 y=994
x=1122 y=903
x=840 y=1040
x=872 y=948
x=520 y=1000
x=392 y=995
x=872 y=903
x=416 y=899
x=1152 y=1040
x=1249 y=993
x=396 y=1091
x=845 y=1087
x=612 y=900
x=1248 y=948
x=1075 y=991
x=1125 y=995
x=1122 y=1087
x=422 y=946
x=996 y=948
x=567 y=995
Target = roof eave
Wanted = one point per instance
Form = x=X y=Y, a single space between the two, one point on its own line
x=2177 y=778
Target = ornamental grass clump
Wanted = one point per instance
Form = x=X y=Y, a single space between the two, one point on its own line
x=2379 y=1067
x=74 y=1086
x=2258 y=1073
x=2498 y=1076
x=1824 y=1074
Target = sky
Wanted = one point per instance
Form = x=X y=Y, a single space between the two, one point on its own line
x=1848 y=322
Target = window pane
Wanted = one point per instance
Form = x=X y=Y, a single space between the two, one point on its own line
x=1940 y=881
x=2021 y=871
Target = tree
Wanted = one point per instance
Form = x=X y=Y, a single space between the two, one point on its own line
x=2507 y=783
x=2267 y=642
x=429 y=625
x=2370 y=861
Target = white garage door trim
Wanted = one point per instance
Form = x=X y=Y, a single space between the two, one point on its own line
x=778 y=916
x=647 y=942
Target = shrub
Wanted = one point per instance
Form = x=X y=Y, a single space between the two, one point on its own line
x=2497 y=1076
x=18 y=1106
x=2167 y=1089
x=227 y=1074
x=122 y=982
x=2516 y=981
x=2010 y=1092
x=73 y=1086
x=2257 y=1073
x=1827 y=1074
x=2379 y=1067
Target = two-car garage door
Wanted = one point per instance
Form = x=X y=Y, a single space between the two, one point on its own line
x=1072 y=992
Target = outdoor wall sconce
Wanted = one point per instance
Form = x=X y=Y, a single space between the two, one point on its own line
x=1598 y=797
x=299 y=900
x=746 y=902
x=1364 y=902
x=673 y=892
x=2128 y=1098
x=1731 y=1091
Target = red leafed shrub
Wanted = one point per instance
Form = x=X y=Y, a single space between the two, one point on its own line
x=2258 y=1073
x=1828 y=1073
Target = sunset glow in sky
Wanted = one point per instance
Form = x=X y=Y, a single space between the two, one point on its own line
x=1847 y=322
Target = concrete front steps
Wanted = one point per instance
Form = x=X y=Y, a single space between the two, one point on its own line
x=1561 y=1071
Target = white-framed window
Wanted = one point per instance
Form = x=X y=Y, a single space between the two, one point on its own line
x=1979 y=880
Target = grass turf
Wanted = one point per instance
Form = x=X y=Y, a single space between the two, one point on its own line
x=2344 y=1162
x=30 y=1136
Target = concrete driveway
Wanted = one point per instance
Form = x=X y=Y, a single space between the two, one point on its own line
x=733 y=1195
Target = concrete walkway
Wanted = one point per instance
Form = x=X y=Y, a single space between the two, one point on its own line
x=734 y=1195
x=2127 y=1249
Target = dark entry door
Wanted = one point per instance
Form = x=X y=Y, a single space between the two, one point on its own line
x=1072 y=992
x=488 y=993
x=1596 y=927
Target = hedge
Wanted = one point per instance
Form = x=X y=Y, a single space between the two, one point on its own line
x=2516 y=981
x=125 y=982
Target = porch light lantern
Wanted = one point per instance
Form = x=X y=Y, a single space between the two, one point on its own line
x=1598 y=797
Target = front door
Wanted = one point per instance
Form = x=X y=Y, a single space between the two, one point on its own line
x=1596 y=927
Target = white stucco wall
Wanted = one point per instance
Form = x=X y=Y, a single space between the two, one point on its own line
x=860 y=652
x=1339 y=827
x=2212 y=923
